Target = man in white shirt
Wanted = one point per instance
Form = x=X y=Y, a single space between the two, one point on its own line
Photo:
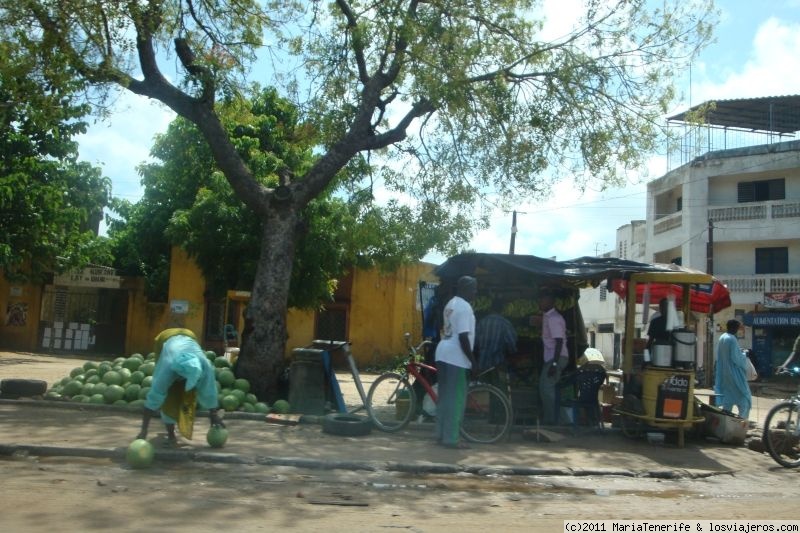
x=454 y=359
x=556 y=357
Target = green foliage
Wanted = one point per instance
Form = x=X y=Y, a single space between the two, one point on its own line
x=50 y=204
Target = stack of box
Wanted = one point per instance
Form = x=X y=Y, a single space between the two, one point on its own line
x=75 y=336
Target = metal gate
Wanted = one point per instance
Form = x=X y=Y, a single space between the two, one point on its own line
x=81 y=319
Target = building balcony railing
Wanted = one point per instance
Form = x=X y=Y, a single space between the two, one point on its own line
x=754 y=211
x=667 y=223
x=761 y=283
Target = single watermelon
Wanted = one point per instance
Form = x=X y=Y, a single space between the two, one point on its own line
x=221 y=362
x=88 y=389
x=261 y=407
x=89 y=365
x=113 y=393
x=140 y=454
x=251 y=398
x=76 y=371
x=143 y=393
x=226 y=378
x=248 y=408
x=132 y=392
x=93 y=379
x=281 y=406
x=132 y=363
x=217 y=437
x=230 y=402
x=137 y=377
x=97 y=398
x=240 y=395
x=148 y=368
x=100 y=388
x=112 y=377
x=72 y=388
x=147 y=381
x=242 y=384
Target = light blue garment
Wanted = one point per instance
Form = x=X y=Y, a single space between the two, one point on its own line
x=182 y=358
x=730 y=380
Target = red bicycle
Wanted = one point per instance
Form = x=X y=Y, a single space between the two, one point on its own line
x=392 y=402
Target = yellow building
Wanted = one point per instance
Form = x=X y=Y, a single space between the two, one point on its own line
x=97 y=312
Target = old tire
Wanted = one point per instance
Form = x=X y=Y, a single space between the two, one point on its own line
x=19 y=388
x=346 y=425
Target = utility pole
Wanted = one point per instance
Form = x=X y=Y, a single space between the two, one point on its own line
x=513 y=232
x=708 y=360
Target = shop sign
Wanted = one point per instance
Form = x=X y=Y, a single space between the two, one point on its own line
x=781 y=300
x=100 y=277
x=772 y=319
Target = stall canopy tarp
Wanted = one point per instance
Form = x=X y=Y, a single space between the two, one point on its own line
x=580 y=272
x=586 y=272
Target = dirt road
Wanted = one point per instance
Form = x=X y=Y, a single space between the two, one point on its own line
x=88 y=494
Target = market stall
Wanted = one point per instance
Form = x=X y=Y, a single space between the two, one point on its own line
x=665 y=394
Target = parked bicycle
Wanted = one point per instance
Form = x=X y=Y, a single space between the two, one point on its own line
x=392 y=402
x=782 y=429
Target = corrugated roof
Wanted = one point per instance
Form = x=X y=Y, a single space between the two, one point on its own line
x=779 y=114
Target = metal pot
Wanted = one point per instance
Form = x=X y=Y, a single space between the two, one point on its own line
x=684 y=346
x=661 y=355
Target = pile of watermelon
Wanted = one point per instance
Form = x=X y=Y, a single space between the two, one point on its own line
x=126 y=380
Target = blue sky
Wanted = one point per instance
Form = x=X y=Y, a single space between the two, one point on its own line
x=756 y=53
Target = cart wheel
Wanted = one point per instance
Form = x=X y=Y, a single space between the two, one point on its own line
x=631 y=426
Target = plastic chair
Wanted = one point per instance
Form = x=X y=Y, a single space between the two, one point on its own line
x=588 y=380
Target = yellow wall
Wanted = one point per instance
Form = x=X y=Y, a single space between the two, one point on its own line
x=19 y=296
x=186 y=283
x=383 y=307
x=145 y=319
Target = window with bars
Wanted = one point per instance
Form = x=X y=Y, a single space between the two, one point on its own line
x=762 y=191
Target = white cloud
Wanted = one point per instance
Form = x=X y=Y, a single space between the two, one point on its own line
x=771 y=69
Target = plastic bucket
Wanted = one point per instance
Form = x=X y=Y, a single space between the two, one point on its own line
x=661 y=355
x=668 y=393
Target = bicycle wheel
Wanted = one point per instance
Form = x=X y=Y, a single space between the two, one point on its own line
x=391 y=402
x=487 y=416
x=782 y=434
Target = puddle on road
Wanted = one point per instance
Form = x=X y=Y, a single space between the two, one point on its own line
x=521 y=486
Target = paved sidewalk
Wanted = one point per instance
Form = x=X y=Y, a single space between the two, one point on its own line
x=54 y=428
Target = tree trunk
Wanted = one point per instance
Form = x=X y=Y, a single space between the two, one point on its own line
x=261 y=359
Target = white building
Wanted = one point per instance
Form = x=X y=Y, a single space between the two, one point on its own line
x=732 y=212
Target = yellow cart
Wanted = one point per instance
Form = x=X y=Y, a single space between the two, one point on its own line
x=667 y=393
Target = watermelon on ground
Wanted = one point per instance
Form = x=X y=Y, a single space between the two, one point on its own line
x=143 y=393
x=140 y=454
x=226 y=378
x=113 y=393
x=221 y=362
x=76 y=371
x=230 y=402
x=261 y=407
x=90 y=365
x=112 y=377
x=104 y=367
x=281 y=406
x=137 y=377
x=147 y=381
x=100 y=388
x=240 y=395
x=242 y=384
x=217 y=437
x=148 y=368
x=96 y=398
x=251 y=398
x=248 y=408
x=132 y=363
x=88 y=389
x=132 y=392
x=72 y=388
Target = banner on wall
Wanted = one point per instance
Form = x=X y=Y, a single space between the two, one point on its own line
x=782 y=300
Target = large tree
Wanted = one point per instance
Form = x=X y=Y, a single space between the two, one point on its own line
x=461 y=98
